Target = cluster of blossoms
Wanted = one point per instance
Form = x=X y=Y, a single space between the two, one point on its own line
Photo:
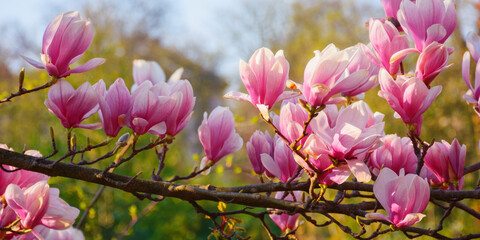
x=333 y=142
x=313 y=134
x=31 y=209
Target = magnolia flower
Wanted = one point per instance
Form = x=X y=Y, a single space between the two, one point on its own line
x=472 y=96
x=264 y=76
x=326 y=74
x=150 y=71
x=360 y=62
x=73 y=106
x=447 y=161
x=65 y=40
x=217 y=135
x=427 y=21
x=114 y=106
x=259 y=143
x=281 y=165
x=403 y=197
x=291 y=119
x=347 y=137
x=432 y=60
x=396 y=154
x=150 y=106
x=473 y=45
x=386 y=41
x=408 y=96
x=182 y=94
x=284 y=221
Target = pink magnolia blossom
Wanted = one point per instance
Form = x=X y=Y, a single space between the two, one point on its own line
x=59 y=214
x=427 y=21
x=473 y=45
x=432 y=60
x=182 y=93
x=72 y=106
x=114 y=106
x=391 y=7
x=150 y=71
x=30 y=204
x=281 y=165
x=472 y=96
x=347 y=136
x=404 y=197
x=396 y=154
x=337 y=175
x=386 y=41
x=65 y=40
x=408 y=96
x=360 y=62
x=327 y=74
x=447 y=161
x=259 y=143
x=284 y=221
x=217 y=135
x=150 y=106
x=264 y=76
x=70 y=233
x=291 y=119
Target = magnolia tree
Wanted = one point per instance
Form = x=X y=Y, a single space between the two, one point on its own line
x=324 y=137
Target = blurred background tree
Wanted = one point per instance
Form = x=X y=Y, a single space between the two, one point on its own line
x=140 y=29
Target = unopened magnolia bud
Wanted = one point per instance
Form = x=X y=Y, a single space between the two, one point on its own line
x=122 y=141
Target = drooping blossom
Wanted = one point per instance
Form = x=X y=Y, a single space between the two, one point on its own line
x=360 y=62
x=396 y=153
x=259 y=143
x=291 y=119
x=281 y=165
x=284 y=221
x=447 y=161
x=347 y=136
x=386 y=40
x=114 y=105
x=73 y=106
x=404 y=197
x=472 y=96
x=408 y=96
x=217 y=135
x=327 y=74
x=65 y=40
x=432 y=61
x=427 y=21
x=264 y=77
x=150 y=106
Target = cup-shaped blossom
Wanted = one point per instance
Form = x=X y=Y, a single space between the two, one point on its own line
x=404 y=197
x=447 y=161
x=114 y=105
x=282 y=165
x=354 y=132
x=284 y=221
x=472 y=96
x=73 y=106
x=386 y=41
x=326 y=74
x=396 y=153
x=473 y=45
x=65 y=40
x=431 y=62
x=182 y=93
x=218 y=136
x=427 y=21
x=360 y=62
x=258 y=144
x=264 y=77
x=408 y=96
x=30 y=204
x=291 y=119
x=150 y=106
